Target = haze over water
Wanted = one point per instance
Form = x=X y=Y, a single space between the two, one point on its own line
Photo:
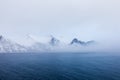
x=66 y=19
x=23 y=20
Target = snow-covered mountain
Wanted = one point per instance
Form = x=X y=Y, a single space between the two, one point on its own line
x=75 y=41
x=7 y=46
x=48 y=45
x=54 y=41
x=52 y=44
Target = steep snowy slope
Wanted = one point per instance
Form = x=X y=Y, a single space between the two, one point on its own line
x=75 y=41
x=7 y=46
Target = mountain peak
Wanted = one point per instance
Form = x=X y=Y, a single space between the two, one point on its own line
x=54 y=41
x=76 y=41
x=1 y=37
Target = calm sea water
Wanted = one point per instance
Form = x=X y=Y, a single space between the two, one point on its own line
x=60 y=66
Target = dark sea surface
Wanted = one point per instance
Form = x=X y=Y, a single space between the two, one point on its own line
x=60 y=66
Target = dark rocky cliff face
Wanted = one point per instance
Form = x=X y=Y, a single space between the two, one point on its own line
x=76 y=41
x=54 y=41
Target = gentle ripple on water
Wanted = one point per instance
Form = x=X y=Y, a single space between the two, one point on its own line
x=59 y=66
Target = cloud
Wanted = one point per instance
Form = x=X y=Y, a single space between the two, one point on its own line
x=84 y=19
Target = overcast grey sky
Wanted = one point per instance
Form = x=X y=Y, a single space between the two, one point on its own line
x=85 y=19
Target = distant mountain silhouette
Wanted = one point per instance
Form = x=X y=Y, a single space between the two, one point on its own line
x=8 y=46
x=78 y=42
x=54 y=41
